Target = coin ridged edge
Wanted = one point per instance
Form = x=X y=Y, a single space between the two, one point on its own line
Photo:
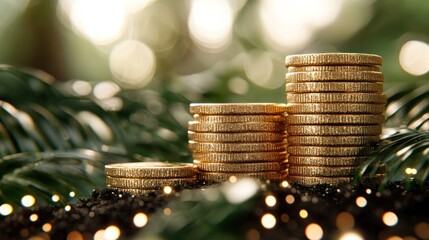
x=237 y=137
x=236 y=147
x=150 y=170
x=345 y=119
x=321 y=87
x=239 y=157
x=336 y=98
x=310 y=180
x=333 y=140
x=236 y=108
x=145 y=183
x=238 y=167
x=361 y=76
x=333 y=59
x=239 y=118
x=236 y=127
x=347 y=68
x=325 y=160
x=329 y=151
x=223 y=177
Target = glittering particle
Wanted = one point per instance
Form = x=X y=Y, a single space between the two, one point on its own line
x=422 y=230
x=47 y=227
x=72 y=194
x=253 y=234
x=270 y=200
x=411 y=171
x=290 y=199
x=303 y=213
x=99 y=235
x=112 y=232
x=233 y=179
x=168 y=190
x=345 y=221
x=33 y=217
x=6 y=209
x=284 y=217
x=390 y=219
x=314 y=200
x=268 y=221
x=284 y=184
x=140 y=219
x=91 y=214
x=74 y=235
x=368 y=191
x=67 y=208
x=305 y=198
x=351 y=236
x=55 y=198
x=361 y=202
x=28 y=201
x=313 y=231
x=167 y=211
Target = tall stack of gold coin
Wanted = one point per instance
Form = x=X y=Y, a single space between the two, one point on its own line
x=238 y=140
x=142 y=177
x=335 y=106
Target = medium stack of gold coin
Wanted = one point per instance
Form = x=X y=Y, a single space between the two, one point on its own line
x=335 y=106
x=142 y=177
x=238 y=140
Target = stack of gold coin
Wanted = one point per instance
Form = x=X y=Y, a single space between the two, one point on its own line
x=142 y=177
x=238 y=140
x=335 y=106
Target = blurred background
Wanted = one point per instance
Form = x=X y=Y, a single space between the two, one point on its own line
x=195 y=47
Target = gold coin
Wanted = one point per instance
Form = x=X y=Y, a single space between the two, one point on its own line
x=238 y=167
x=237 y=108
x=345 y=119
x=237 y=147
x=329 y=151
x=151 y=170
x=332 y=76
x=310 y=180
x=339 y=171
x=137 y=191
x=212 y=177
x=236 y=127
x=336 y=98
x=238 y=118
x=333 y=59
x=239 y=157
x=337 y=68
x=314 y=108
x=344 y=87
x=334 y=130
x=326 y=161
x=237 y=137
x=151 y=183
x=333 y=140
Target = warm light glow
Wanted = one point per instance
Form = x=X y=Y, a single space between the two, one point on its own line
x=105 y=90
x=361 y=202
x=6 y=209
x=289 y=24
x=167 y=211
x=72 y=194
x=132 y=63
x=268 y=221
x=112 y=233
x=313 y=231
x=102 y=21
x=28 y=201
x=81 y=88
x=74 y=235
x=168 y=190
x=368 y=191
x=270 y=200
x=422 y=230
x=284 y=184
x=140 y=220
x=210 y=23
x=351 y=236
x=345 y=221
x=134 y=6
x=33 y=217
x=303 y=213
x=411 y=171
x=233 y=179
x=395 y=238
x=258 y=67
x=238 y=86
x=290 y=199
x=241 y=190
x=414 y=57
x=99 y=235
x=47 y=227
x=390 y=219
x=55 y=198
x=67 y=208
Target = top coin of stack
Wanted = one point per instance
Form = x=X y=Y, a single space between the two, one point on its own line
x=240 y=140
x=142 y=177
x=335 y=111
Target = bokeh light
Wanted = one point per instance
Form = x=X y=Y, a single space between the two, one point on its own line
x=270 y=200
x=414 y=57
x=268 y=221
x=140 y=220
x=422 y=230
x=241 y=190
x=351 y=236
x=313 y=231
x=6 y=209
x=112 y=232
x=28 y=201
x=390 y=219
x=361 y=202
x=345 y=221
x=47 y=227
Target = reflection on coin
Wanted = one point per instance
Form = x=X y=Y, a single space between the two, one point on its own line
x=223 y=177
x=310 y=180
x=345 y=87
x=237 y=137
x=239 y=167
x=236 y=127
x=345 y=119
x=329 y=151
x=240 y=157
x=333 y=59
x=236 y=147
x=237 y=108
x=239 y=118
x=341 y=68
x=296 y=108
x=326 y=160
x=150 y=183
x=339 y=171
x=332 y=76
x=333 y=130
x=333 y=140
x=336 y=98
x=151 y=170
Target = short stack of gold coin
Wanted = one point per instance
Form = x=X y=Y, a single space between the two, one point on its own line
x=143 y=177
x=335 y=106
x=238 y=140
